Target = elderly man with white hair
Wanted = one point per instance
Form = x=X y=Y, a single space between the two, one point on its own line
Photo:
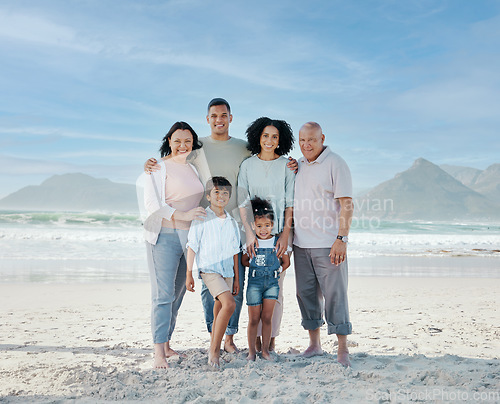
x=322 y=216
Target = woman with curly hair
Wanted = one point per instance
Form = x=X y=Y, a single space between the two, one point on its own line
x=265 y=175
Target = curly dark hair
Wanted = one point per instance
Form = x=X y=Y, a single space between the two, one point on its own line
x=262 y=208
x=165 y=149
x=256 y=128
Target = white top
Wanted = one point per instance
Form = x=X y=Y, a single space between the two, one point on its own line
x=154 y=200
x=318 y=185
x=271 y=180
x=269 y=243
x=215 y=242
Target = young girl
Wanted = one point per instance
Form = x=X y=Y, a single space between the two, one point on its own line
x=264 y=270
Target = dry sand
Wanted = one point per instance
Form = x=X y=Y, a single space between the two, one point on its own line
x=415 y=339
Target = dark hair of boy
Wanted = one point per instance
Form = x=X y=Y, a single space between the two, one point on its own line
x=262 y=208
x=218 y=183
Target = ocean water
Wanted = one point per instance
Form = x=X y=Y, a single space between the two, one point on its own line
x=88 y=247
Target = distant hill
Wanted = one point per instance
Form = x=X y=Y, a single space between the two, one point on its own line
x=426 y=192
x=466 y=175
x=74 y=192
x=486 y=182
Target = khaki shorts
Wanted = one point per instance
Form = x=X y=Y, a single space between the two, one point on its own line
x=216 y=284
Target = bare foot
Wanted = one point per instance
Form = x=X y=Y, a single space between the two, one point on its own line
x=251 y=357
x=230 y=347
x=258 y=344
x=312 y=351
x=160 y=363
x=267 y=356
x=213 y=361
x=343 y=358
x=272 y=344
x=170 y=352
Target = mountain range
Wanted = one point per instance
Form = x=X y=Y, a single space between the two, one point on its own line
x=486 y=182
x=74 y=192
x=425 y=191
x=428 y=192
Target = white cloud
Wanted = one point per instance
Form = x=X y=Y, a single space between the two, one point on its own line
x=61 y=132
x=451 y=100
x=18 y=166
x=41 y=31
x=245 y=60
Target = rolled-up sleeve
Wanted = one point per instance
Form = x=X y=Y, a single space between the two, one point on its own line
x=194 y=236
x=342 y=181
x=236 y=239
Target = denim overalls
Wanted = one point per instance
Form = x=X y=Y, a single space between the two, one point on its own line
x=263 y=275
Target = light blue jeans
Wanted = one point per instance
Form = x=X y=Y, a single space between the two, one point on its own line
x=208 y=304
x=167 y=270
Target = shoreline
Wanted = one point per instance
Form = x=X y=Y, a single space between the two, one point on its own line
x=91 y=342
x=97 y=271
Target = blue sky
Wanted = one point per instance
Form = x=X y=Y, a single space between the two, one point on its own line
x=92 y=86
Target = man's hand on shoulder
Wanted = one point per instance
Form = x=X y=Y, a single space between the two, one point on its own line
x=151 y=165
x=293 y=164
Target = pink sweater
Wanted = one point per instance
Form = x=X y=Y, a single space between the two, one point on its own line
x=183 y=190
x=174 y=186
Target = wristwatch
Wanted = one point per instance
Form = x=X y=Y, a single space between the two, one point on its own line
x=343 y=239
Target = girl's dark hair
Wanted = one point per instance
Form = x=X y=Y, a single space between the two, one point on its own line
x=165 y=149
x=262 y=208
x=256 y=128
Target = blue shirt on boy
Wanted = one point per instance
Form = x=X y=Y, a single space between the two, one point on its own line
x=215 y=242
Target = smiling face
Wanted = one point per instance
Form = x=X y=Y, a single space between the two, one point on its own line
x=270 y=139
x=219 y=119
x=311 y=141
x=218 y=198
x=263 y=227
x=181 y=143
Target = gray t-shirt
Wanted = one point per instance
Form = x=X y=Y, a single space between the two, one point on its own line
x=271 y=180
x=221 y=158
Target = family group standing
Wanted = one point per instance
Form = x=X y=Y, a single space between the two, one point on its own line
x=258 y=199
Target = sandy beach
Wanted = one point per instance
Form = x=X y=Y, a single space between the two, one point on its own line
x=414 y=339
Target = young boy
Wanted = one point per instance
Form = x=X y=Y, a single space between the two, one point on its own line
x=215 y=243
